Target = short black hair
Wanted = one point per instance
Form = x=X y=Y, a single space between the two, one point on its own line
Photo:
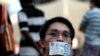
x=96 y=2
x=53 y=20
x=24 y=2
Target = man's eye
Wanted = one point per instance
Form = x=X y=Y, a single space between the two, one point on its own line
x=66 y=35
x=53 y=34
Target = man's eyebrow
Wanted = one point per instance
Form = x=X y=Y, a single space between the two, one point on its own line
x=66 y=31
x=54 y=30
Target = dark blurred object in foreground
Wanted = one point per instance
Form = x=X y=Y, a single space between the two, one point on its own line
x=6 y=33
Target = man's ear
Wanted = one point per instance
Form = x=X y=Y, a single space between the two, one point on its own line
x=42 y=43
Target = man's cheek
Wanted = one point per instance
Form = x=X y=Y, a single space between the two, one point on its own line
x=68 y=41
x=49 y=39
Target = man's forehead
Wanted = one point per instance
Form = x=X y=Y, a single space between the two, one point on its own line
x=58 y=26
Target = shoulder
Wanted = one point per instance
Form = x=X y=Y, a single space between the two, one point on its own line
x=40 y=12
x=93 y=11
x=21 y=13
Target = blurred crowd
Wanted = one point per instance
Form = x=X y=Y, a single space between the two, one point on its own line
x=53 y=37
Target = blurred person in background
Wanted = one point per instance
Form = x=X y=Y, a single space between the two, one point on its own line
x=56 y=37
x=90 y=26
x=30 y=21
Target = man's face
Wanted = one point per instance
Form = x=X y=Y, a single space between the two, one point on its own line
x=57 y=32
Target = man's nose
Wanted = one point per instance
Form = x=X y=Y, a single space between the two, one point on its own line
x=60 y=38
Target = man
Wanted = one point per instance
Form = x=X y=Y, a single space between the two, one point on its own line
x=30 y=21
x=90 y=26
x=56 y=37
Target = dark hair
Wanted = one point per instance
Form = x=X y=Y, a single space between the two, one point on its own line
x=24 y=2
x=53 y=20
x=96 y=2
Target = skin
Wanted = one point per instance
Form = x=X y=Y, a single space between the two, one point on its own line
x=92 y=5
x=55 y=27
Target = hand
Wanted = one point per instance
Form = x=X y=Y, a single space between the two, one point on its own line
x=39 y=49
